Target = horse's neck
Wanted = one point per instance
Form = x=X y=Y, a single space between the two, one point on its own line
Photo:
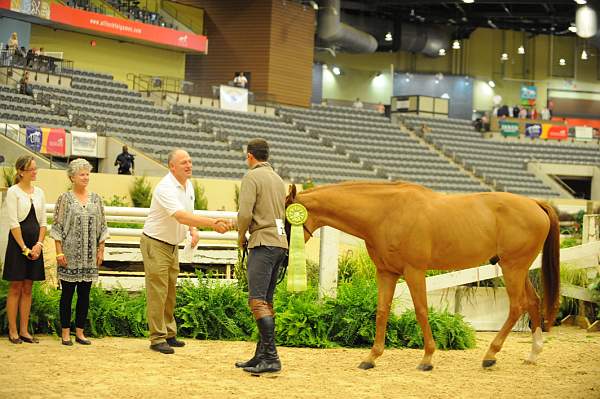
x=342 y=211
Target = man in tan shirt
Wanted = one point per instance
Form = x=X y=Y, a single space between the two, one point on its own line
x=262 y=213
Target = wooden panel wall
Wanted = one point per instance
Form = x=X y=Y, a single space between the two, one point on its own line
x=272 y=39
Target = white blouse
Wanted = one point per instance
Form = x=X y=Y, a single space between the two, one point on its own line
x=18 y=204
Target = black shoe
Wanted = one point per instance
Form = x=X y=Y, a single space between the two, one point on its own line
x=66 y=343
x=83 y=341
x=163 y=347
x=15 y=340
x=252 y=362
x=173 y=342
x=32 y=340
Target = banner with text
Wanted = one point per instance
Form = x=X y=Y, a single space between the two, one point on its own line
x=554 y=132
x=233 y=98
x=84 y=144
x=123 y=27
x=509 y=128
x=584 y=133
x=54 y=141
x=39 y=8
x=33 y=138
x=533 y=130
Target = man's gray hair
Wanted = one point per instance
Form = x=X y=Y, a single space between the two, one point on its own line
x=172 y=153
x=76 y=165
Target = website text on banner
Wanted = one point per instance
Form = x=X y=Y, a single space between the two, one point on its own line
x=125 y=28
x=554 y=132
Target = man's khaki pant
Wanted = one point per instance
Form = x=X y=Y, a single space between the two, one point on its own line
x=161 y=265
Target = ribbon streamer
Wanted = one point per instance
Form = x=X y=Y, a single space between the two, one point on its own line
x=297 y=215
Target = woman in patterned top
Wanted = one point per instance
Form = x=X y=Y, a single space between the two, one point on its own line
x=79 y=232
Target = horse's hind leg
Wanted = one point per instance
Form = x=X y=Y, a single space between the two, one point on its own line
x=515 y=276
x=386 y=284
x=533 y=308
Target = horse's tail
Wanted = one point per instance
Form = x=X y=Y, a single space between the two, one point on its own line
x=551 y=266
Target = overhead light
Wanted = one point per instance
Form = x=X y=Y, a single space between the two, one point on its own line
x=562 y=62
x=407 y=80
x=325 y=66
x=468 y=1
x=586 y=21
x=504 y=57
x=336 y=70
x=491 y=84
x=442 y=52
x=584 y=55
x=521 y=49
x=573 y=28
x=456 y=45
x=439 y=76
x=581 y=2
x=446 y=96
x=388 y=37
x=314 y=4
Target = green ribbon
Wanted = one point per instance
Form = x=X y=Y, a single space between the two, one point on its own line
x=296 y=214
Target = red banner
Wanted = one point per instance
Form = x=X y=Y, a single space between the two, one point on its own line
x=54 y=141
x=558 y=133
x=123 y=27
x=5 y=4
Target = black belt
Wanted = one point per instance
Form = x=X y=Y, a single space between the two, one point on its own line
x=161 y=241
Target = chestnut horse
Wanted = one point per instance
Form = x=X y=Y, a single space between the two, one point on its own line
x=409 y=229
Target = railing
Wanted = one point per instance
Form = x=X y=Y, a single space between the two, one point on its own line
x=36 y=63
x=185 y=20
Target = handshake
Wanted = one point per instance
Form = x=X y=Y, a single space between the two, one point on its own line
x=224 y=225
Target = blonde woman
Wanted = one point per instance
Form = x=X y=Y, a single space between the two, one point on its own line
x=24 y=262
x=79 y=232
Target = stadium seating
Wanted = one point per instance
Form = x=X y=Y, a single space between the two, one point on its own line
x=370 y=137
x=504 y=161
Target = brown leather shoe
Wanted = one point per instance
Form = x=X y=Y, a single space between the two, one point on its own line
x=162 y=347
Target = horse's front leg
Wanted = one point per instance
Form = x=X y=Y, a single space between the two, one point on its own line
x=386 y=284
x=415 y=279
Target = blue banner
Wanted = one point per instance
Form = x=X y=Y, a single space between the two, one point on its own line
x=533 y=130
x=528 y=92
x=33 y=138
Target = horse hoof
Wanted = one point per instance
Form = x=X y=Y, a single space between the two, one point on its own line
x=530 y=362
x=425 y=367
x=366 y=365
x=488 y=363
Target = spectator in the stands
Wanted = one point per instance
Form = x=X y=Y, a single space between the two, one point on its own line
x=240 y=80
x=503 y=112
x=534 y=113
x=125 y=161
x=24 y=85
x=523 y=113
x=13 y=43
x=545 y=114
x=515 y=111
x=485 y=122
x=380 y=108
x=357 y=103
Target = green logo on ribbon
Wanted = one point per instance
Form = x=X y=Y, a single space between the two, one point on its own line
x=297 y=215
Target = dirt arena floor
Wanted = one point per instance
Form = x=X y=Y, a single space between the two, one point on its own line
x=569 y=367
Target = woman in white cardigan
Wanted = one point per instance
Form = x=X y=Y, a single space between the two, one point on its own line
x=24 y=261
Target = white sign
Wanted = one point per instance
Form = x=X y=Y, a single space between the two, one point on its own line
x=233 y=98
x=583 y=133
x=84 y=144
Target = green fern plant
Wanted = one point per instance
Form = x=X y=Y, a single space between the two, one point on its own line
x=8 y=176
x=141 y=192
x=200 y=201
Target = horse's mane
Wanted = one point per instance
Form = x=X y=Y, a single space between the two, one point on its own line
x=357 y=183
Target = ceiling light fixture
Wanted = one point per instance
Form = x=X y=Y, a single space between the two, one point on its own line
x=586 y=21
x=468 y=1
x=491 y=84
x=336 y=70
x=581 y=2
x=388 y=37
x=573 y=28
x=562 y=62
x=456 y=45
x=442 y=52
x=521 y=49
x=504 y=57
